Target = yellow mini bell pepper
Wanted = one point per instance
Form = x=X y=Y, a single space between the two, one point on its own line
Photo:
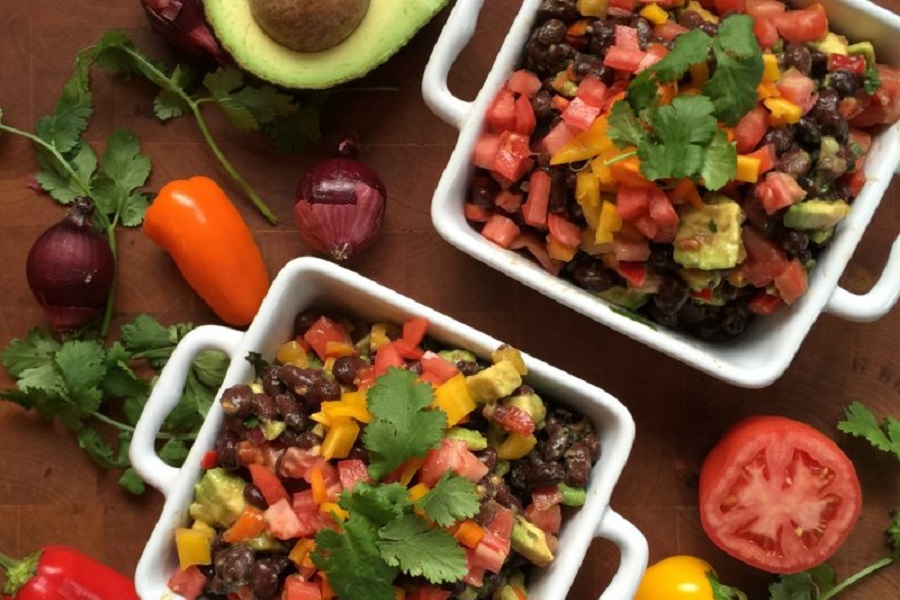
x=698 y=8
x=516 y=446
x=340 y=438
x=302 y=551
x=771 y=72
x=593 y=8
x=586 y=144
x=193 y=547
x=610 y=222
x=339 y=408
x=783 y=111
x=379 y=336
x=332 y=508
x=747 y=168
x=587 y=188
x=453 y=397
x=417 y=491
x=653 y=13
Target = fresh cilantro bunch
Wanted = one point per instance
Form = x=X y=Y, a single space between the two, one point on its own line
x=387 y=534
x=289 y=120
x=683 y=138
x=70 y=168
x=862 y=423
x=85 y=385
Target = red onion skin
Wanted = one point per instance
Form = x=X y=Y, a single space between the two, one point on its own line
x=71 y=269
x=183 y=24
x=339 y=207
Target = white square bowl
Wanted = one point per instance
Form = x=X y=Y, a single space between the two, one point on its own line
x=765 y=350
x=307 y=282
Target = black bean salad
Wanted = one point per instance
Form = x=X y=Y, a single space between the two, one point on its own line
x=367 y=463
x=684 y=160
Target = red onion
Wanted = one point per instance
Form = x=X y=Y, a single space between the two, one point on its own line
x=70 y=270
x=182 y=23
x=339 y=207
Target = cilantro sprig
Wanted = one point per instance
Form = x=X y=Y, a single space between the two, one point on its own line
x=85 y=385
x=860 y=422
x=289 y=120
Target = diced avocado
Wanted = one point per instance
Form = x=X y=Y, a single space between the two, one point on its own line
x=820 y=236
x=473 y=439
x=501 y=468
x=516 y=579
x=272 y=429
x=698 y=279
x=364 y=346
x=624 y=297
x=532 y=404
x=832 y=43
x=530 y=541
x=572 y=496
x=264 y=542
x=865 y=49
x=218 y=498
x=816 y=214
x=495 y=382
x=458 y=356
x=506 y=592
x=469 y=594
x=709 y=237
x=828 y=146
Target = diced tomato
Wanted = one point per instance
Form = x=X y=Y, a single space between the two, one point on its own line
x=486 y=150
x=414 y=330
x=779 y=190
x=351 y=472
x=764 y=13
x=624 y=5
x=295 y=463
x=500 y=230
x=592 y=91
x=565 y=231
x=388 y=356
x=451 y=454
x=188 y=582
x=631 y=250
x=854 y=64
x=210 y=460
x=855 y=180
x=663 y=214
x=281 y=520
x=538 y=249
x=632 y=202
x=524 y=82
x=624 y=59
x=723 y=6
x=649 y=60
x=535 y=208
x=764 y=304
x=438 y=366
x=512 y=159
x=558 y=137
x=323 y=331
x=647 y=226
x=803 y=25
x=268 y=483
x=508 y=200
x=750 y=130
x=884 y=106
x=627 y=37
x=545 y=497
x=798 y=88
x=478 y=214
x=765 y=260
x=669 y=30
x=580 y=115
x=766 y=32
x=407 y=351
x=428 y=593
x=635 y=273
x=525 y=119
x=549 y=519
x=861 y=138
x=512 y=419
x=297 y=589
x=791 y=282
x=767 y=157
x=474 y=573
x=501 y=114
x=615 y=93
x=310 y=517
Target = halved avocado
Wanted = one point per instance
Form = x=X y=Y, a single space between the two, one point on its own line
x=385 y=28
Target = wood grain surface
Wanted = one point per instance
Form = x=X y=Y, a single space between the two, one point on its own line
x=51 y=493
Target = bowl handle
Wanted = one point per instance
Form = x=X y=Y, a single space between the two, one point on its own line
x=456 y=34
x=166 y=394
x=633 y=551
x=877 y=302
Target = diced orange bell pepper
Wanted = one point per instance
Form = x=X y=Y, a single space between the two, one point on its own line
x=469 y=533
x=628 y=171
x=747 y=168
x=610 y=222
x=302 y=551
x=593 y=8
x=193 y=547
x=340 y=438
x=337 y=349
x=559 y=251
x=417 y=491
x=292 y=353
x=453 y=397
x=685 y=190
x=339 y=408
x=327 y=591
x=249 y=525
x=585 y=145
x=587 y=188
x=332 y=508
x=317 y=485
x=409 y=469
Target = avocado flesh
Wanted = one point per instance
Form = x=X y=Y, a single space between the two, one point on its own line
x=387 y=26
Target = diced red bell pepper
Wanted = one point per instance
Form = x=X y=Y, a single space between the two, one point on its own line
x=634 y=273
x=486 y=150
x=525 y=83
x=855 y=180
x=210 y=460
x=268 y=483
x=438 y=367
x=500 y=230
x=580 y=115
x=723 y=6
x=387 y=356
x=501 y=114
x=525 y=119
x=704 y=294
x=592 y=91
x=764 y=304
x=407 y=350
x=536 y=205
x=512 y=419
x=854 y=64
x=513 y=156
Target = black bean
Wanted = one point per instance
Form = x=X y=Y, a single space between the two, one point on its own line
x=307 y=440
x=734 y=319
x=291 y=412
x=781 y=137
x=662 y=257
x=592 y=275
x=271 y=383
x=603 y=35
x=829 y=168
x=710 y=29
x=795 y=162
x=254 y=497
x=540 y=473
x=346 y=369
x=263 y=406
x=556 y=445
x=827 y=102
x=690 y=19
x=488 y=457
x=846 y=83
x=559 y=191
x=324 y=389
x=486 y=514
x=543 y=108
x=236 y=401
x=797 y=56
x=483 y=190
x=226 y=449
x=550 y=32
x=233 y=566
x=835 y=125
x=794 y=241
x=359 y=452
x=643 y=28
x=593 y=445
x=666 y=319
x=672 y=295
x=692 y=313
x=578 y=465
x=298 y=379
x=809 y=133
x=304 y=320
x=558 y=9
x=468 y=367
x=264 y=579
x=818 y=63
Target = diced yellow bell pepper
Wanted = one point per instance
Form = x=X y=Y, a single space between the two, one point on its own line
x=771 y=72
x=747 y=168
x=593 y=8
x=697 y=8
x=767 y=90
x=292 y=353
x=302 y=551
x=357 y=398
x=653 y=13
x=340 y=438
x=417 y=491
x=339 y=408
x=783 y=111
x=453 y=397
x=610 y=222
x=586 y=144
x=587 y=188
x=379 y=336
x=334 y=509
x=591 y=215
x=516 y=446
x=507 y=352
x=560 y=251
x=320 y=417
x=193 y=547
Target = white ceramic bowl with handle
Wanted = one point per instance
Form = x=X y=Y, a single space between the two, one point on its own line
x=307 y=282
x=766 y=349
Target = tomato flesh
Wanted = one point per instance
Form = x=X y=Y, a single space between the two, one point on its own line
x=778 y=495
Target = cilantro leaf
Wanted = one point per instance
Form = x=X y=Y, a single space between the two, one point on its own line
x=738 y=71
x=169 y=104
x=125 y=169
x=689 y=49
x=402 y=427
x=624 y=127
x=720 y=163
x=682 y=129
x=452 y=499
x=377 y=503
x=131 y=481
x=173 y=452
x=353 y=563
x=293 y=132
x=55 y=181
x=223 y=81
x=411 y=544
x=806 y=585
x=862 y=423
x=35 y=350
x=209 y=367
x=82 y=366
x=63 y=127
x=248 y=107
x=722 y=591
x=96 y=447
x=892 y=535
x=258 y=363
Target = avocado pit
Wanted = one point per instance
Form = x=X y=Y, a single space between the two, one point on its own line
x=309 y=25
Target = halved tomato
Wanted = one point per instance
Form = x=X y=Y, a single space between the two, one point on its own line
x=778 y=494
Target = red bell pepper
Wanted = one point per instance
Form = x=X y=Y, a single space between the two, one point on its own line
x=63 y=573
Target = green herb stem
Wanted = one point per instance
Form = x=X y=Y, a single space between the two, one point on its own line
x=161 y=435
x=620 y=158
x=856 y=577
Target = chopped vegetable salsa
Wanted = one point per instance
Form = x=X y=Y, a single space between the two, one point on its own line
x=368 y=463
x=684 y=160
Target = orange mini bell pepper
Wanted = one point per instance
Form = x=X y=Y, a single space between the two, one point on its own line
x=212 y=246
